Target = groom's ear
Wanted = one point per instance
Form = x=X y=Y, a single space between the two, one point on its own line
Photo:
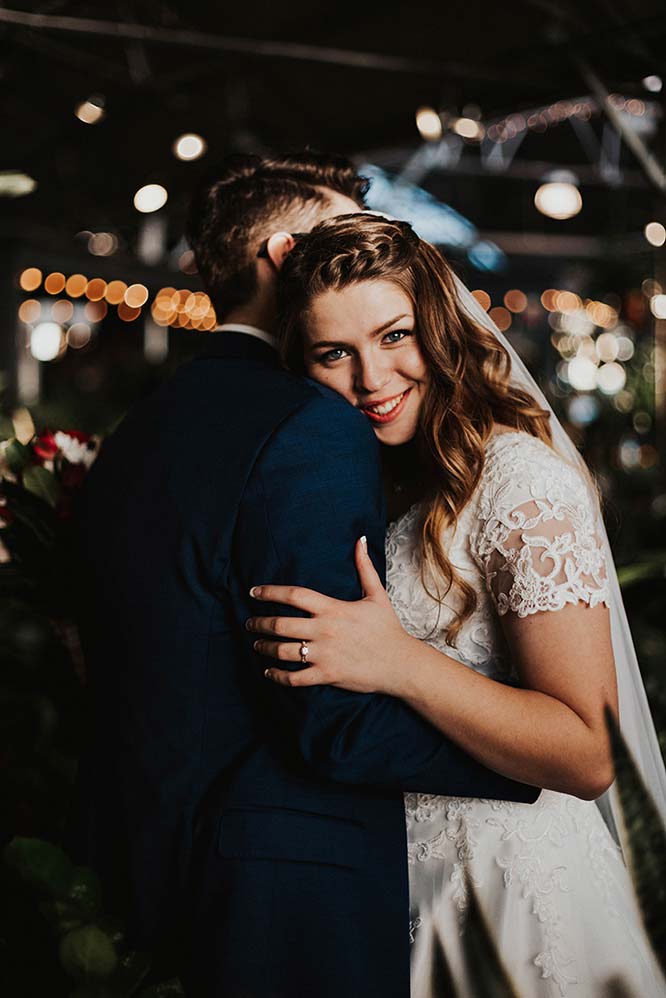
x=278 y=248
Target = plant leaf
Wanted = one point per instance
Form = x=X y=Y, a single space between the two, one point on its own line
x=40 y=864
x=17 y=456
x=42 y=483
x=646 y=838
x=487 y=975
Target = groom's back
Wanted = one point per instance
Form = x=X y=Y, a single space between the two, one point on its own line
x=173 y=712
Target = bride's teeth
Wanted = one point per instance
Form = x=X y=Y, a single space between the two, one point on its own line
x=383 y=410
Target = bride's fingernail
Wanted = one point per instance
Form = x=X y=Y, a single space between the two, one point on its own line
x=253 y=591
x=364 y=542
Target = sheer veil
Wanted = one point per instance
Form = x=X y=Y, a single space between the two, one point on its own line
x=636 y=721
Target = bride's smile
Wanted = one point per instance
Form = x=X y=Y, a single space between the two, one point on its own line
x=361 y=341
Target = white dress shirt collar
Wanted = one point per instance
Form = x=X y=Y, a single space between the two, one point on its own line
x=239 y=327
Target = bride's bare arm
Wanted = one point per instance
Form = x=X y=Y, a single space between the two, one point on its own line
x=549 y=733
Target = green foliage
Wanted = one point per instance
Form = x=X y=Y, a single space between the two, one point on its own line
x=41 y=865
x=646 y=839
x=86 y=952
x=41 y=483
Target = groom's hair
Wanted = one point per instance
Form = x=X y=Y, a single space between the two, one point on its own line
x=247 y=198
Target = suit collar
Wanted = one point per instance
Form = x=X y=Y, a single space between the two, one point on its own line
x=233 y=343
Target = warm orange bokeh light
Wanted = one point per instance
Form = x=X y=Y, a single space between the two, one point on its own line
x=136 y=295
x=483 y=299
x=62 y=310
x=30 y=279
x=30 y=310
x=115 y=292
x=95 y=290
x=76 y=285
x=515 y=301
x=127 y=313
x=501 y=317
x=549 y=299
x=567 y=301
x=54 y=283
x=95 y=310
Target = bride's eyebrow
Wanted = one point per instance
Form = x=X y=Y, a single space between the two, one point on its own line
x=341 y=343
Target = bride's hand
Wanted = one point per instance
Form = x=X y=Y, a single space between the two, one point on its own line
x=359 y=646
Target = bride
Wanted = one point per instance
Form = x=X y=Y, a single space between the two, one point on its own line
x=502 y=619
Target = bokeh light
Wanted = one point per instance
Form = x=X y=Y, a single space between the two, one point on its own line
x=658 y=306
x=189 y=147
x=501 y=317
x=558 y=200
x=582 y=374
x=115 y=292
x=30 y=279
x=136 y=295
x=54 y=283
x=29 y=310
x=655 y=233
x=102 y=243
x=515 y=301
x=127 y=313
x=90 y=111
x=76 y=285
x=429 y=124
x=46 y=341
x=483 y=299
x=62 y=310
x=150 y=197
x=95 y=289
x=611 y=378
x=95 y=311
x=79 y=335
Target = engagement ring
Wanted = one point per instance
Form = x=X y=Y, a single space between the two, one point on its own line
x=304 y=652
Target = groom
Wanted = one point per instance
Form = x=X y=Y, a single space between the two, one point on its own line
x=260 y=826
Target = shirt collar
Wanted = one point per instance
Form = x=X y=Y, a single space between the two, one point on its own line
x=239 y=327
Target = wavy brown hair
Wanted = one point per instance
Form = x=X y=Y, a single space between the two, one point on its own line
x=469 y=389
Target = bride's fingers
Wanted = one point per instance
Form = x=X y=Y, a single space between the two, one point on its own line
x=300 y=628
x=371 y=584
x=284 y=651
x=313 y=676
x=298 y=596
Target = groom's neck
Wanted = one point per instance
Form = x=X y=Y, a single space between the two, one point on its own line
x=260 y=312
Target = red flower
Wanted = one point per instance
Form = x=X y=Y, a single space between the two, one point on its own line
x=45 y=446
x=83 y=438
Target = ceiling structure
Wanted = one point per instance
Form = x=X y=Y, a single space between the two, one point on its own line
x=265 y=76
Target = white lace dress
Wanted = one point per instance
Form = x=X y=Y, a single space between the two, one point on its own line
x=549 y=876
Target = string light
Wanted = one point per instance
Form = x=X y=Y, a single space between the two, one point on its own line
x=95 y=289
x=30 y=279
x=46 y=341
x=501 y=317
x=29 y=310
x=515 y=301
x=76 y=285
x=54 y=283
x=483 y=299
x=136 y=295
x=115 y=292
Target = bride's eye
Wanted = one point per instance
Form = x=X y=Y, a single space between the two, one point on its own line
x=396 y=335
x=331 y=356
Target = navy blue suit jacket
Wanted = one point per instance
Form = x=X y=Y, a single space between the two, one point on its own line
x=266 y=821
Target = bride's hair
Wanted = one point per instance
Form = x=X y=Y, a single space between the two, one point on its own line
x=469 y=388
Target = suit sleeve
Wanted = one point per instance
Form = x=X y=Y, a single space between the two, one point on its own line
x=315 y=489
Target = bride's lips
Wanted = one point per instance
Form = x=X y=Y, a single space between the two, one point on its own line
x=388 y=417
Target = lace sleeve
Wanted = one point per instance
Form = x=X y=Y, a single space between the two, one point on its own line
x=538 y=544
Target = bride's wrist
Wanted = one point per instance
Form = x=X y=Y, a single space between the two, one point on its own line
x=401 y=660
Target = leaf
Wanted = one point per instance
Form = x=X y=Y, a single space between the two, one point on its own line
x=42 y=483
x=441 y=981
x=17 y=456
x=88 y=953
x=40 y=864
x=487 y=976
x=654 y=565
x=646 y=838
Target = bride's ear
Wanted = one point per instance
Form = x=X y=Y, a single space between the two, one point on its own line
x=278 y=248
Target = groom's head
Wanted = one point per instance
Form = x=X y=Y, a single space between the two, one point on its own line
x=249 y=205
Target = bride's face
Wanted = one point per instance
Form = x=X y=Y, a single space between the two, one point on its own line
x=361 y=341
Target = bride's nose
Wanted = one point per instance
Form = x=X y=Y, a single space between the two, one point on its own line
x=372 y=374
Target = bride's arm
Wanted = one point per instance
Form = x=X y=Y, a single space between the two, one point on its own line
x=551 y=733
